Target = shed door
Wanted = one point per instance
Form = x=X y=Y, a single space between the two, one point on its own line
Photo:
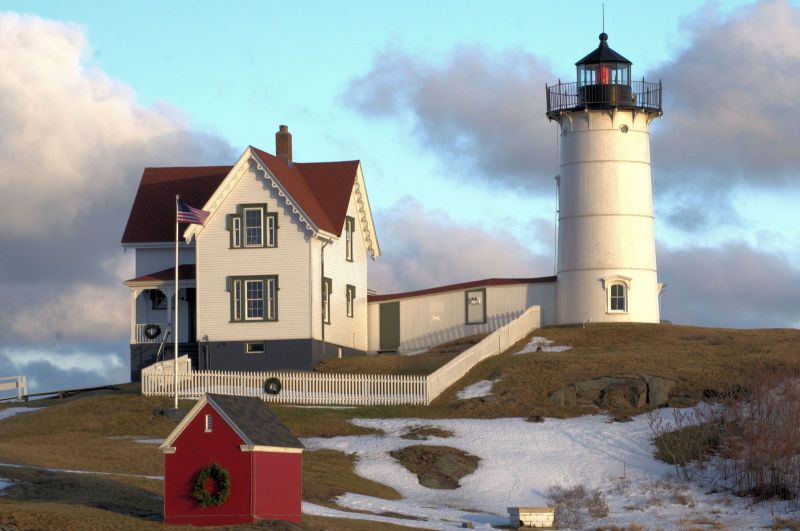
x=390 y=325
x=476 y=306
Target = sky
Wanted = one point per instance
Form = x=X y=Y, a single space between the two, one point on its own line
x=443 y=103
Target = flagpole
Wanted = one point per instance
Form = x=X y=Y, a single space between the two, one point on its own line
x=177 y=302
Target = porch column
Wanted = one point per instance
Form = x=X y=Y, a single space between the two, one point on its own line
x=134 y=295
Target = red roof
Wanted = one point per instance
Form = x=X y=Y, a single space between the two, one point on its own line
x=321 y=189
x=152 y=217
x=461 y=286
x=185 y=271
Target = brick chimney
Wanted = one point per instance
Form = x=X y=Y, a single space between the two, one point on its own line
x=283 y=144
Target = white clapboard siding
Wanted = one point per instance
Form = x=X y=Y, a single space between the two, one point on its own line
x=155 y=259
x=289 y=260
x=346 y=331
x=315 y=388
x=433 y=319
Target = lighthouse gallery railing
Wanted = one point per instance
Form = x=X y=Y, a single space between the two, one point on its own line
x=639 y=95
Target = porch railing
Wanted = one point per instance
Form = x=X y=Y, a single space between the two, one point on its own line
x=319 y=388
x=140 y=337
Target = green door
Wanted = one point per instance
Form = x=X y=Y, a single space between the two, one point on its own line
x=390 y=326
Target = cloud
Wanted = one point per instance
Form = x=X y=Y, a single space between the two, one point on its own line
x=733 y=285
x=732 y=113
x=426 y=248
x=478 y=109
x=46 y=372
x=80 y=312
x=73 y=144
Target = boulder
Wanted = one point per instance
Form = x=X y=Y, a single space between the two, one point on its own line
x=564 y=397
x=658 y=390
x=623 y=394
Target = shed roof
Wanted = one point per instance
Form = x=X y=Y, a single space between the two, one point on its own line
x=249 y=417
x=255 y=420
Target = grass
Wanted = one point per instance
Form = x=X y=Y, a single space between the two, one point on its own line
x=328 y=473
x=700 y=360
x=691 y=443
x=75 y=433
x=423 y=363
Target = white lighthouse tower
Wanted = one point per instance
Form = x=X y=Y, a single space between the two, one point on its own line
x=606 y=245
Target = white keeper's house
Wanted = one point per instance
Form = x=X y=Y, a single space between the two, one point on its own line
x=277 y=277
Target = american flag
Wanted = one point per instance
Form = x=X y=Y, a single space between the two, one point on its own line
x=188 y=214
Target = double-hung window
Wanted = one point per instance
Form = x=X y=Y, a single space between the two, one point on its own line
x=351 y=300
x=254 y=298
x=349 y=230
x=327 y=289
x=253 y=226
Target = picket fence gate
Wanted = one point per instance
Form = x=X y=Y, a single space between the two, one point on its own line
x=341 y=389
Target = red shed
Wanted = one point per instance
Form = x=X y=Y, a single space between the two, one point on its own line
x=231 y=461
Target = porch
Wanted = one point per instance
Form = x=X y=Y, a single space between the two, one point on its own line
x=152 y=327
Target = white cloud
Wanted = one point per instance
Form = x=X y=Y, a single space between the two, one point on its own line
x=426 y=248
x=80 y=312
x=73 y=144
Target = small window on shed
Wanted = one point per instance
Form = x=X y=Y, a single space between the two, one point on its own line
x=208 y=423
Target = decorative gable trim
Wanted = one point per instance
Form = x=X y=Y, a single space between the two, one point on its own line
x=291 y=203
x=366 y=221
x=239 y=169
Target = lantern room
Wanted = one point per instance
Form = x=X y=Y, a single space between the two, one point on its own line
x=604 y=66
x=604 y=78
x=604 y=81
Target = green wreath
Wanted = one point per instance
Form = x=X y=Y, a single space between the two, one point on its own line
x=152 y=331
x=272 y=386
x=223 y=479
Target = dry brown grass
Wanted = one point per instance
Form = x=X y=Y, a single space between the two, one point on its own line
x=76 y=434
x=328 y=473
x=423 y=363
x=700 y=360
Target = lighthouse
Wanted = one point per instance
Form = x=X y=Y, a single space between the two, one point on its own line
x=606 y=244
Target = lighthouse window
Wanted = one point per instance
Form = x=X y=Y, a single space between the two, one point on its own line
x=616 y=298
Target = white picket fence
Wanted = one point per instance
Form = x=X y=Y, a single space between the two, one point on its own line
x=319 y=388
x=16 y=384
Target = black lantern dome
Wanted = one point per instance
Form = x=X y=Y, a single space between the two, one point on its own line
x=604 y=66
x=603 y=82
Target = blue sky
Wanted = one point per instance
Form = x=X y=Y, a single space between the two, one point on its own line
x=443 y=102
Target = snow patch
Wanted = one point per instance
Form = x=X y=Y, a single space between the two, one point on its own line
x=542 y=344
x=520 y=460
x=4 y=484
x=477 y=390
x=11 y=411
